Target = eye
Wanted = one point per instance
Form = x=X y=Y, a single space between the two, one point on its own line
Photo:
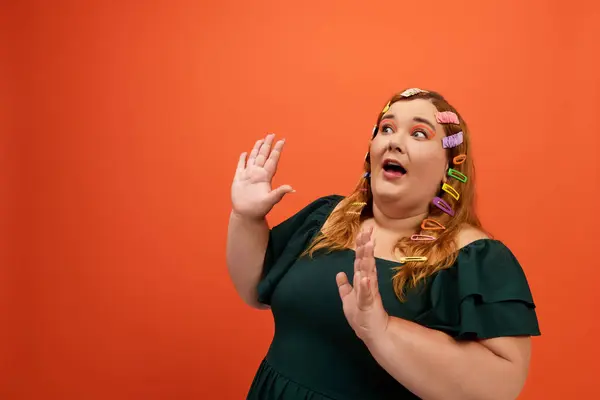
x=420 y=133
x=386 y=128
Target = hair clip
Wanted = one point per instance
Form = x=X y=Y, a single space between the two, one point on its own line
x=417 y=237
x=431 y=225
x=386 y=108
x=374 y=130
x=452 y=140
x=447 y=117
x=412 y=259
x=353 y=212
x=363 y=190
x=367 y=175
x=459 y=159
x=457 y=175
x=443 y=205
x=412 y=92
x=359 y=203
x=451 y=191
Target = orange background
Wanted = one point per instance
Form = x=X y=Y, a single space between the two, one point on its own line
x=126 y=121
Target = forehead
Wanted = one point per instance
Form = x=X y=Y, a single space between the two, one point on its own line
x=408 y=109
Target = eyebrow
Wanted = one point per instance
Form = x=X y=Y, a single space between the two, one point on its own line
x=416 y=119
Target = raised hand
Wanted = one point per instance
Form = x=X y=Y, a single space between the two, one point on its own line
x=361 y=301
x=251 y=192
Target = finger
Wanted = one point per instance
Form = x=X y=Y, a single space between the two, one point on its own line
x=365 y=295
x=241 y=165
x=264 y=150
x=273 y=160
x=277 y=194
x=344 y=286
x=254 y=152
x=373 y=270
x=367 y=260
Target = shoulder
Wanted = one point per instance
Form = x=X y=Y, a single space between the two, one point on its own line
x=469 y=234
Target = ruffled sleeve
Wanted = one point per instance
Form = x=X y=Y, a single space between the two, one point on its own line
x=289 y=239
x=484 y=295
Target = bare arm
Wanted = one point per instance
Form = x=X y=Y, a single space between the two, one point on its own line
x=435 y=366
x=247 y=240
x=248 y=233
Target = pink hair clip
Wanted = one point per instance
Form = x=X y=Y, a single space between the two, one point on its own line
x=412 y=92
x=452 y=140
x=421 y=238
x=363 y=190
x=446 y=117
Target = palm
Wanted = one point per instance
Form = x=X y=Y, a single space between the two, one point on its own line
x=251 y=191
x=361 y=301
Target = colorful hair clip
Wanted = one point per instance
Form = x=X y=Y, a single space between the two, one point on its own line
x=386 y=108
x=359 y=203
x=443 y=205
x=451 y=191
x=452 y=140
x=412 y=259
x=457 y=175
x=363 y=190
x=431 y=225
x=374 y=131
x=367 y=175
x=412 y=92
x=353 y=212
x=447 y=117
x=459 y=159
x=417 y=237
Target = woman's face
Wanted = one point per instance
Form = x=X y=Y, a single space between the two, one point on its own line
x=408 y=162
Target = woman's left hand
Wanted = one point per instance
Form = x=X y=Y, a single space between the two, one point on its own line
x=361 y=301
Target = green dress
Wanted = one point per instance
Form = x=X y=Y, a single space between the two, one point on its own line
x=316 y=355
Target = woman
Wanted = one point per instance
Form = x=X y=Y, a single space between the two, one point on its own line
x=393 y=292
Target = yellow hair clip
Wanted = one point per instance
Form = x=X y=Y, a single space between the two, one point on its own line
x=412 y=259
x=386 y=108
x=359 y=203
x=353 y=212
x=451 y=191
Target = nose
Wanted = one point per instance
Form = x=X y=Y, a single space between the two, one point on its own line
x=395 y=145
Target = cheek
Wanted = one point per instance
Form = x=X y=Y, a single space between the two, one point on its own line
x=428 y=158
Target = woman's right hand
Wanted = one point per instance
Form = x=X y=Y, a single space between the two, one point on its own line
x=251 y=192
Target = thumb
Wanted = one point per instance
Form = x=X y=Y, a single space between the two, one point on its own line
x=343 y=285
x=277 y=194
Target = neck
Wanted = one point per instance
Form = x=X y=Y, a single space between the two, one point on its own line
x=391 y=218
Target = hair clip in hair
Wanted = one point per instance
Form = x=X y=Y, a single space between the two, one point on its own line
x=431 y=225
x=353 y=212
x=412 y=91
x=374 y=131
x=359 y=203
x=412 y=259
x=451 y=191
x=457 y=175
x=363 y=190
x=386 y=108
x=367 y=175
x=459 y=159
x=443 y=205
x=447 y=117
x=452 y=140
x=422 y=238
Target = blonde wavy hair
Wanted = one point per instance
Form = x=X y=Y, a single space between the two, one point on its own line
x=341 y=228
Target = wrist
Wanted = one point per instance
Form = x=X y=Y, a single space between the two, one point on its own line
x=246 y=218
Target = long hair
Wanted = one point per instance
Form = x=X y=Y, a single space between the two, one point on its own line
x=342 y=226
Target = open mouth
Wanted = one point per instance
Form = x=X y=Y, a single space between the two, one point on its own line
x=393 y=167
